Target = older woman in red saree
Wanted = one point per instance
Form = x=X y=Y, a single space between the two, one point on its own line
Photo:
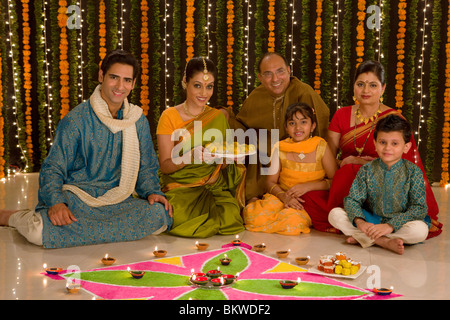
x=350 y=137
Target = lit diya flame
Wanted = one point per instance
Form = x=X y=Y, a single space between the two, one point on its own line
x=260 y=247
x=236 y=242
x=225 y=261
x=72 y=287
x=201 y=246
x=107 y=260
x=159 y=253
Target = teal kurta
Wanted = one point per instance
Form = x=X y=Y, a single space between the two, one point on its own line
x=86 y=154
x=396 y=196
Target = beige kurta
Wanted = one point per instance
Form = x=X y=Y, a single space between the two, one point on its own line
x=262 y=111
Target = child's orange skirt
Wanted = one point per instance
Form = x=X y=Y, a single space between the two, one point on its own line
x=271 y=216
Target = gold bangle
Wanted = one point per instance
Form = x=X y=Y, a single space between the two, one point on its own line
x=270 y=191
x=279 y=193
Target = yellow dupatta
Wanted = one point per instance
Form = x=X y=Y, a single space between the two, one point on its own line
x=293 y=172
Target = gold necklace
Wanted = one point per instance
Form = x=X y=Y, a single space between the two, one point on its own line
x=190 y=114
x=374 y=120
x=364 y=119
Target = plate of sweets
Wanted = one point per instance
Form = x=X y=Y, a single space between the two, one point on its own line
x=231 y=150
x=339 y=266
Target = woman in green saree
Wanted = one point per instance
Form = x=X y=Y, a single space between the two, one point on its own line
x=206 y=194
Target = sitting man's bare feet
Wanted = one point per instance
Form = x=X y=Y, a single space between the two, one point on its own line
x=351 y=240
x=4 y=216
x=395 y=245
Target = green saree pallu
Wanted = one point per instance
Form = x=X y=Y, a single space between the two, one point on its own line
x=206 y=198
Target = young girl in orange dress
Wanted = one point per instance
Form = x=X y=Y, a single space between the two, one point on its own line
x=305 y=163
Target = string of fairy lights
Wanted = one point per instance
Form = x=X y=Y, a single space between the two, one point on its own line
x=122 y=23
x=337 y=53
x=48 y=87
x=420 y=88
x=15 y=64
x=80 y=55
x=291 y=36
x=207 y=28
x=166 y=57
x=378 y=51
x=246 y=47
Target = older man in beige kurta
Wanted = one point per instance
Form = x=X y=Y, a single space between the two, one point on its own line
x=266 y=106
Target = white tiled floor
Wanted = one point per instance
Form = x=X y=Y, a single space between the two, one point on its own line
x=422 y=272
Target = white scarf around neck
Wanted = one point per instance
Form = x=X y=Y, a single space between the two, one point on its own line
x=130 y=152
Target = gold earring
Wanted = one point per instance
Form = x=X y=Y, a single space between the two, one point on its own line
x=381 y=99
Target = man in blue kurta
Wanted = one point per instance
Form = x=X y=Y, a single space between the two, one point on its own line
x=99 y=182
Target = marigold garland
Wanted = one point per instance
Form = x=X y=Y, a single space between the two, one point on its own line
x=27 y=78
x=271 y=17
x=102 y=29
x=400 y=74
x=144 y=98
x=230 y=43
x=360 y=34
x=318 y=51
x=63 y=58
x=446 y=128
x=190 y=29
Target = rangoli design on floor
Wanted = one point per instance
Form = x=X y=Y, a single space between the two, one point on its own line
x=169 y=279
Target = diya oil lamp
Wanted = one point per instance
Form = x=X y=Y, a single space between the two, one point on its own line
x=201 y=280
x=73 y=287
x=52 y=270
x=228 y=278
x=383 y=291
x=289 y=284
x=135 y=273
x=201 y=246
x=218 y=281
x=302 y=260
x=236 y=242
x=259 y=247
x=214 y=273
x=159 y=253
x=283 y=253
x=107 y=260
x=197 y=274
x=225 y=261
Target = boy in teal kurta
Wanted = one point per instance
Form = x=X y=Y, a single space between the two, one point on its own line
x=102 y=154
x=386 y=204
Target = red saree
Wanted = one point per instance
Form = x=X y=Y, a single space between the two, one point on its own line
x=344 y=176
